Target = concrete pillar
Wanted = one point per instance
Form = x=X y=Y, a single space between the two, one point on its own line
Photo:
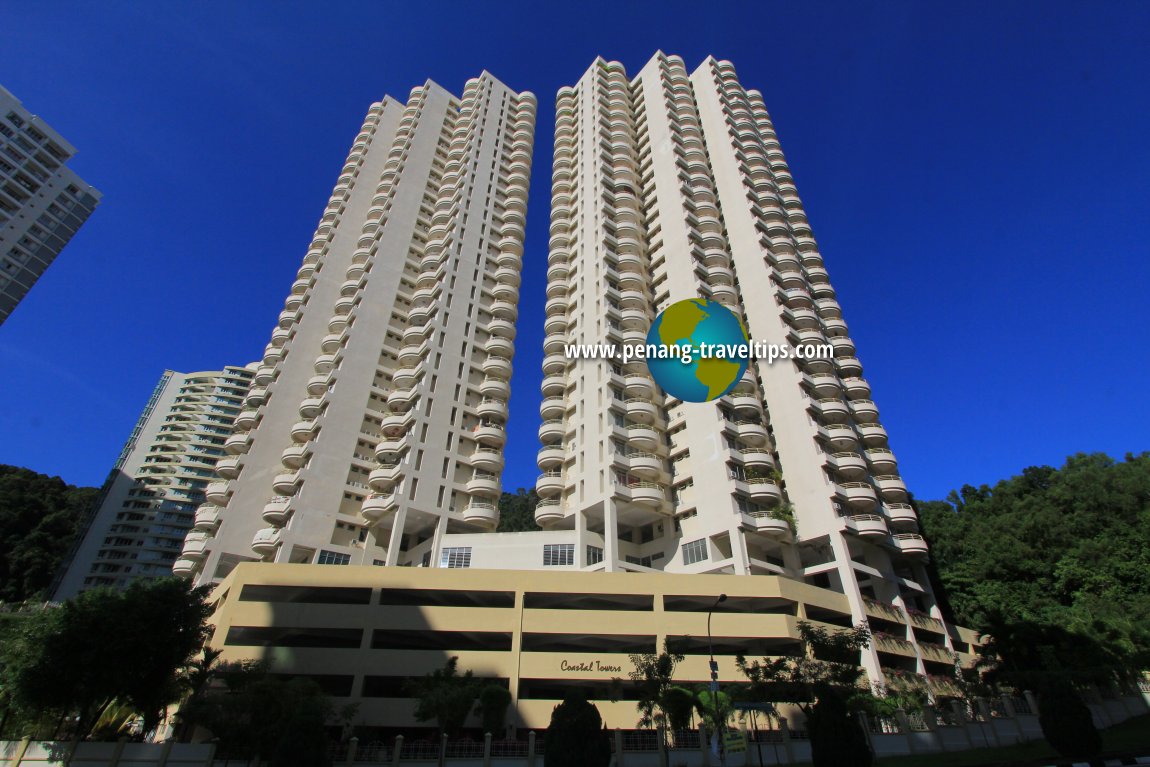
x=703 y=746
x=118 y=752
x=352 y=748
x=443 y=750
x=618 y=747
x=959 y=713
x=486 y=749
x=166 y=752
x=904 y=728
x=930 y=717
x=398 y=751
x=18 y=759
x=531 y=749
x=788 y=747
x=989 y=734
x=1031 y=701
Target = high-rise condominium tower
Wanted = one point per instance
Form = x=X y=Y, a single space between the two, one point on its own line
x=147 y=504
x=672 y=186
x=42 y=202
x=376 y=423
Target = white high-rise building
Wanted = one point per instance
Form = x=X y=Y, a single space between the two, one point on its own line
x=376 y=423
x=669 y=186
x=149 y=501
x=42 y=202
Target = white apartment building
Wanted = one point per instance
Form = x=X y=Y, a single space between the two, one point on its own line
x=671 y=185
x=376 y=422
x=42 y=202
x=150 y=499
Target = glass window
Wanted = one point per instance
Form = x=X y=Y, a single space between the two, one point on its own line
x=558 y=554
x=459 y=556
x=594 y=555
x=333 y=558
x=695 y=551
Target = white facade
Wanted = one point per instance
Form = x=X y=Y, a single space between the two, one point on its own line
x=42 y=202
x=669 y=186
x=377 y=421
x=150 y=500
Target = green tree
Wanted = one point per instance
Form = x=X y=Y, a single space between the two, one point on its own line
x=575 y=737
x=1066 y=547
x=517 y=511
x=825 y=681
x=446 y=697
x=106 y=646
x=493 y=702
x=653 y=675
x=40 y=517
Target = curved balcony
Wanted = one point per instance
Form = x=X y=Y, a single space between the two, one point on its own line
x=725 y=294
x=277 y=510
x=864 y=410
x=831 y=410
x=302 y=431
x=552 y=430
x=803 y=318
x=824 y=385
x=289 y=317
x=280 y=337
x=484 y=483
x=642 y=464
x=490 y=433
x=317 y=385
x=767 y=523
x=385 y=477
x=481 y=513
x=873 y=434
x=892 y=487
x=641 y=409
x=405 y=377
x=377 y=505
x=839 y=437
x=499 y=345
x=295 y=456
x=264 y=375
x=756 y=457
x=344 y=304
x=247 y=418
x=848 y=367
x=857 y=388
x=486 y=459
x=859 y=495
x=745 y=401
x=751 y=432
x=868 y=525
x=555 y=324
x=312 y=407
x=218 y=493
x=900 y=513
x=881 y=460
x=548 y=511
x=505 y=310
x=501 y=327
x=238 y=443
x=332 y=342
x=551 y=456
x=228 y=468
x=495 y=409
x=912 y=544
x=396 y=424
x=255 y=397
x=848 y=465
x=549 y=484
x=763 y=490
x=843 y=346
x=185 y=567
x=287 y=483
x=643 y=437
x=421 y=313
x=650 y=494
x=195 y=545
x=553 y=408
x=402 y=399
x=497 y=365
x=495 y=386
x=207 y=517
x=554 y=364
x=266 y=541
x=325 y=363
x=638 y=385
x=554 y=385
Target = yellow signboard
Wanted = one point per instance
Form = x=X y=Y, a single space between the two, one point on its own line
x=734 y=741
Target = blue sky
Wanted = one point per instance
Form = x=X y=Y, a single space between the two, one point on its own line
x=977 y=178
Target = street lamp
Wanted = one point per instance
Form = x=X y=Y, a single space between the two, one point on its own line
x=715 y=677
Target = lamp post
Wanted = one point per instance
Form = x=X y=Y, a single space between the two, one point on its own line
x=715 y=679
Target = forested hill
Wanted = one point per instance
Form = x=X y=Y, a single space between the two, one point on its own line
x=39 y=518
x=1067 y=547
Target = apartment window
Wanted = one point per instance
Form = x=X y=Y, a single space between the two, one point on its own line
x=558 y=554
x=459 y=556
x=333 y=558
x=694 y=551
x=594 y=555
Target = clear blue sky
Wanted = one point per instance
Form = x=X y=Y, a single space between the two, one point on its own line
x=976 y=176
